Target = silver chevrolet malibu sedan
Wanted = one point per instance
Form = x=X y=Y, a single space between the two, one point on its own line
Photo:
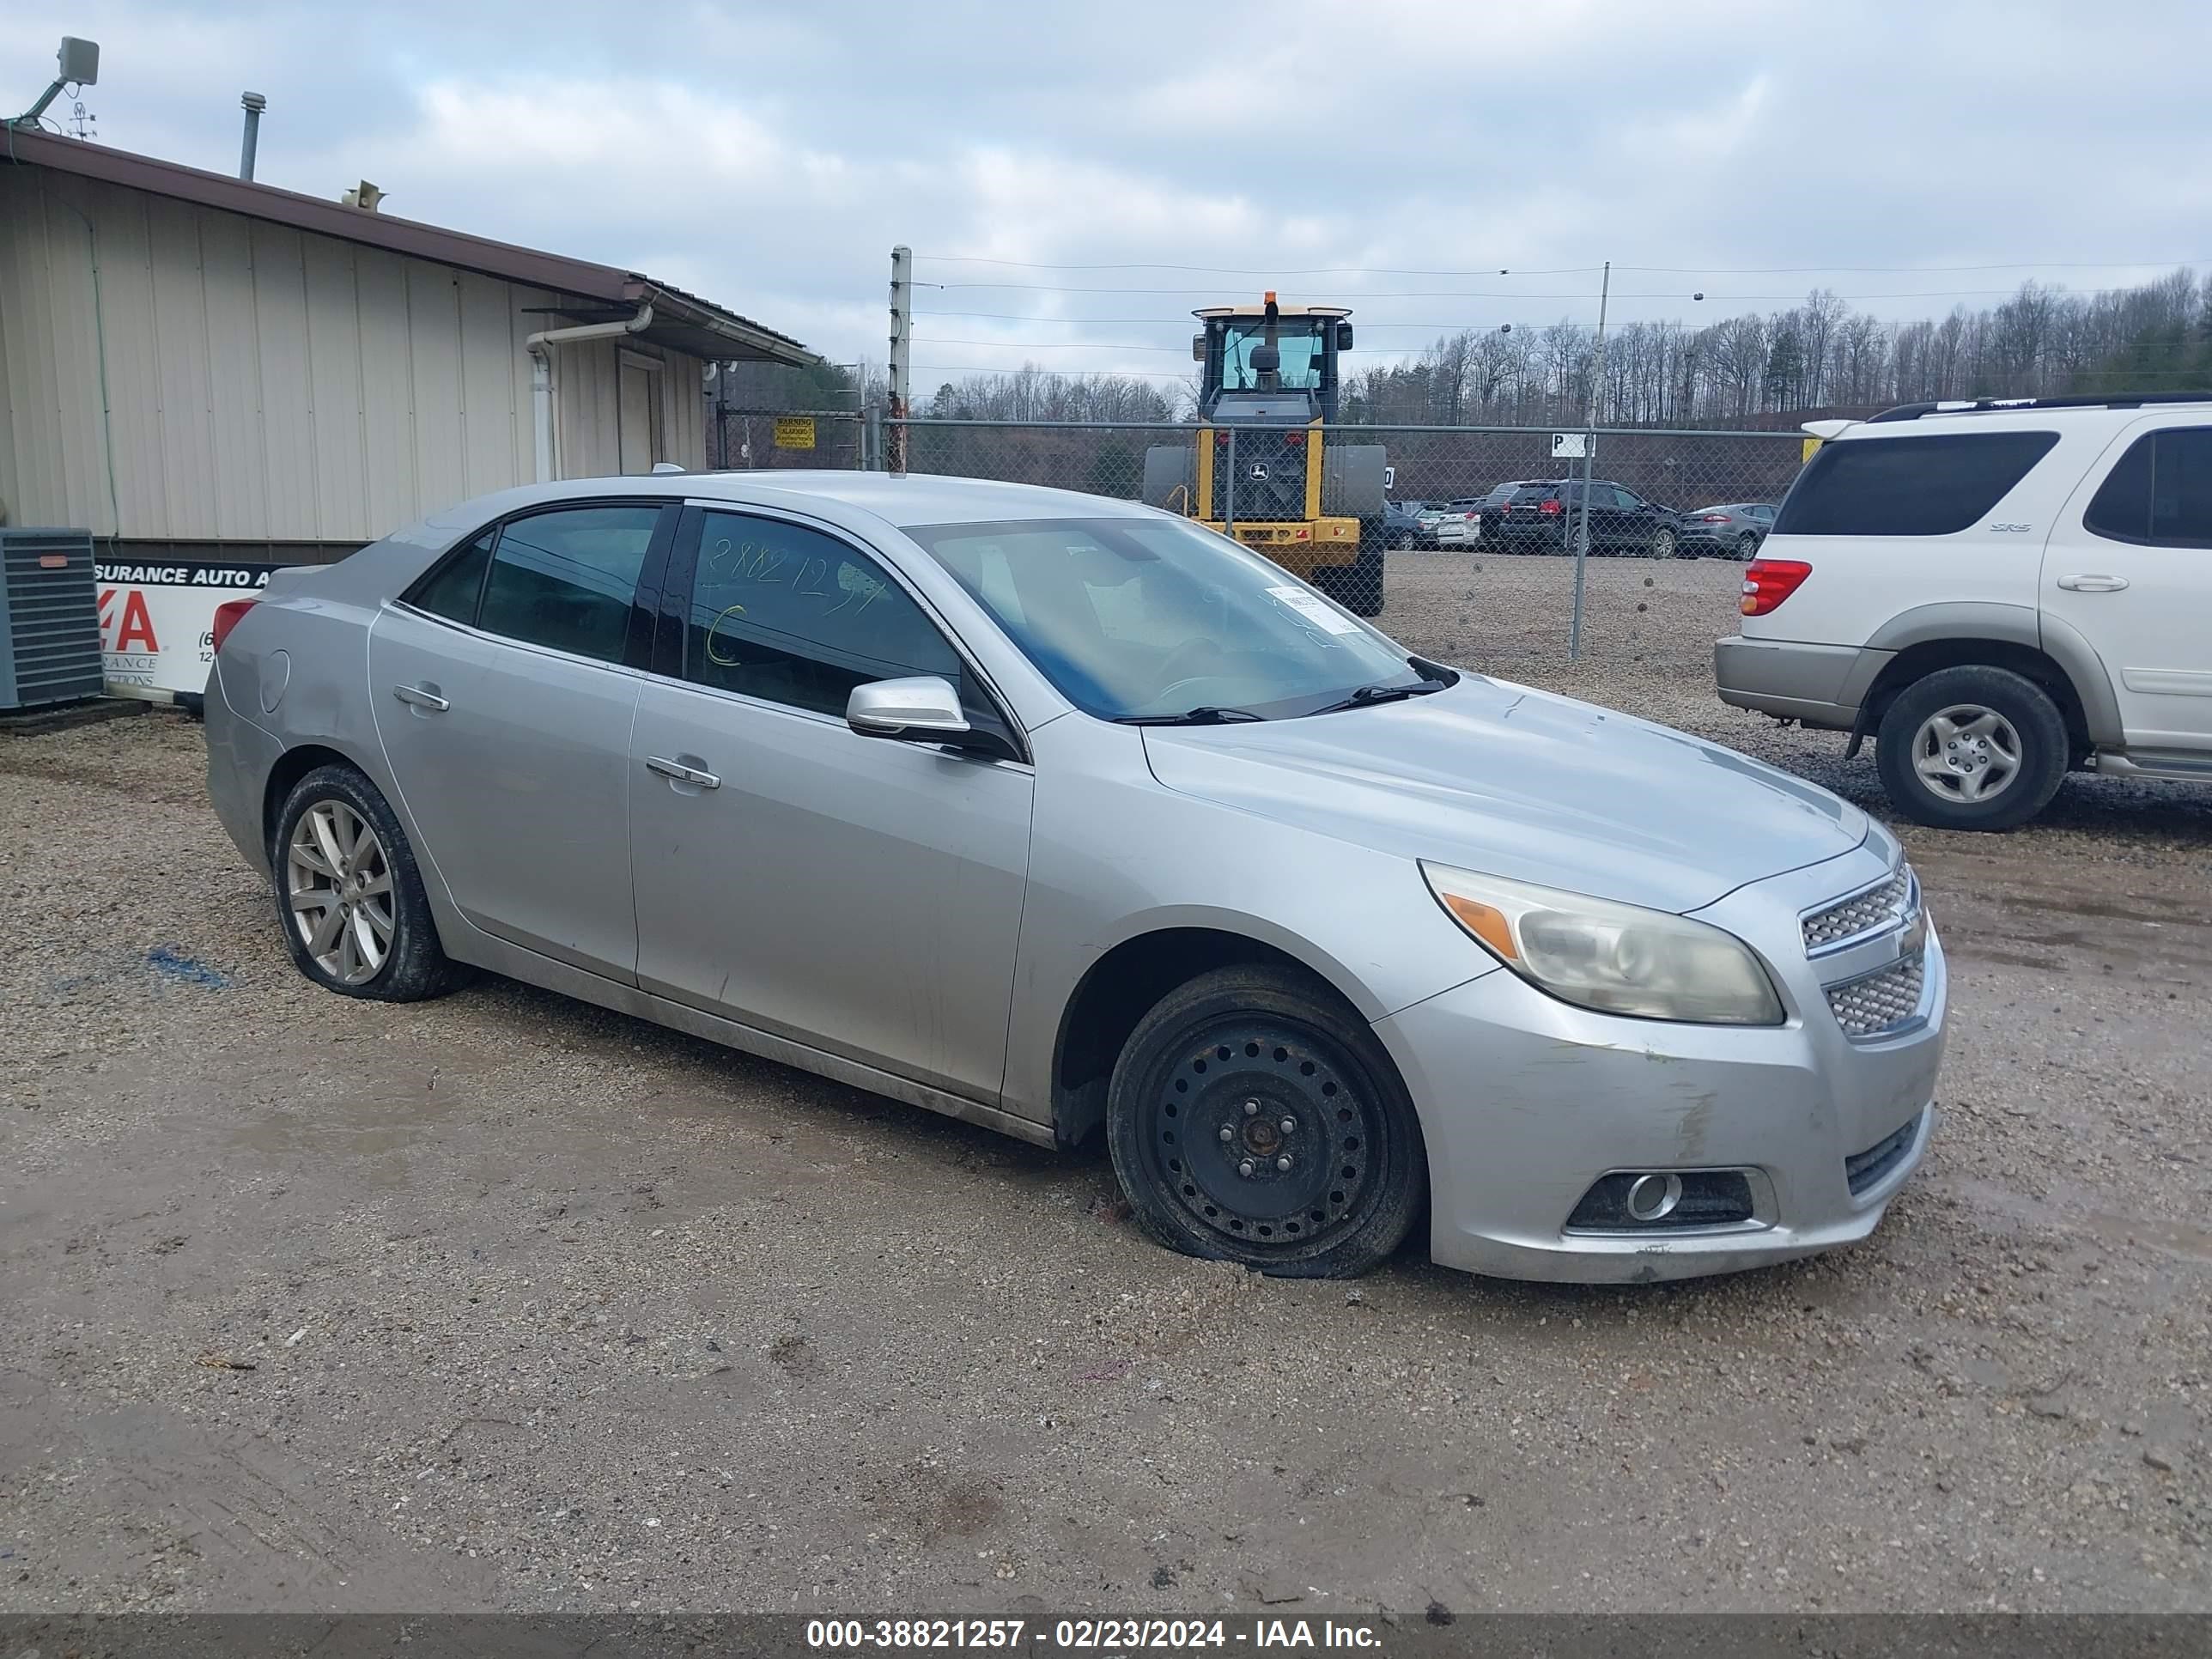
x=1060 y=814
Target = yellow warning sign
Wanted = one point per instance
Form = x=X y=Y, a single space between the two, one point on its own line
x=1804 y=455
x=794 y=432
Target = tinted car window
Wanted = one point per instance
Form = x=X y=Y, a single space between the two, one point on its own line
x=1919 y=486
x=795 y=616
x=451 y=589
x=566 y=578
x=2160 y=493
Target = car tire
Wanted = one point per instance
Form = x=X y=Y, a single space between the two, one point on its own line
x=1747 y=546
x=1972 y=748
x=337 y=850
x=1663 y=544
x=1195 y=1117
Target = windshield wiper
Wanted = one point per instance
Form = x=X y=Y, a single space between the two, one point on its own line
x=1361 y=695
x=1205 y=714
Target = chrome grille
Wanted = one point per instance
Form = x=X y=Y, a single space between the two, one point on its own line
x=1879 y=1002
x=1871 y=912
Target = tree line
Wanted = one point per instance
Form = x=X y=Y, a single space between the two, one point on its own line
x=1820 y=356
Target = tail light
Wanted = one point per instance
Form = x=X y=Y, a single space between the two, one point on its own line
x=1551 y=507
x=1712 y=518
x=1767 y=582
x=1221 y=440
x=1295 y=437
x=226 y=616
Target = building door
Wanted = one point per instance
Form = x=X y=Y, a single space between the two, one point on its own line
x=638 y=414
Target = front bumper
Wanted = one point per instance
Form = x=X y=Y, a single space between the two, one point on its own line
x=1526 y=1102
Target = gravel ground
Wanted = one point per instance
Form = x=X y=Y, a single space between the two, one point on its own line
x=503 y=1302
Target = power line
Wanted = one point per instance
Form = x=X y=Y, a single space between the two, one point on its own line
x=1909 y=271
x=1252 y=270
x=1049 y=345
x=1576 y=271
x=1056 y=373
x=1674 y=295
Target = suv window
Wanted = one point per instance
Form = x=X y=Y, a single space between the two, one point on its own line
x=791 y=616
x=567 y=579
x=2160 y=493
x=1932 y=485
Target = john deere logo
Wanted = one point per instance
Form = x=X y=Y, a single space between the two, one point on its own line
x=1259 y=473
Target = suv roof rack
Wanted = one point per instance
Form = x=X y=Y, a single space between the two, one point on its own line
x=1997 y=406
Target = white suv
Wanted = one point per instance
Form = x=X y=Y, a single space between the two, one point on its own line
x=1995 y=591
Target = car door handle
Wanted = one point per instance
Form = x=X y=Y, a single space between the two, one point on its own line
x=420 y=698
x=2093 y=583
x=681 y=773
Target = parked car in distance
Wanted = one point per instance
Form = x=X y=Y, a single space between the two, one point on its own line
x=1734 y=530
x=1545 y=517
x=1449 y=523
x=1994 y=593
x=1488 y=507
x=1067 y=817
x=1400 y=525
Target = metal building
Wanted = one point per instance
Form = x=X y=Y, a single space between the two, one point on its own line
x=197 y=368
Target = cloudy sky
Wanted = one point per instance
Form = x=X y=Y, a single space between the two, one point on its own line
x=1392 y=155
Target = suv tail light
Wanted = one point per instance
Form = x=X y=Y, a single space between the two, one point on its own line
x=227 y=616
x=1767 y=582
x=1552 y=506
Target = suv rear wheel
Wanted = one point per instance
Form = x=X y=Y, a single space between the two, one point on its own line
x=1972 y=748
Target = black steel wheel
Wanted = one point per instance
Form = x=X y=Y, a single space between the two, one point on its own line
x=1254 y=1119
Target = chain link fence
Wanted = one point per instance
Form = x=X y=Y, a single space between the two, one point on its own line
x=1488 y=520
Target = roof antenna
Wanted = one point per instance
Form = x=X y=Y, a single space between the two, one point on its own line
x=76 y=64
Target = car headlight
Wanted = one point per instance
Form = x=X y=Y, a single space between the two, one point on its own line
x=1617 y=958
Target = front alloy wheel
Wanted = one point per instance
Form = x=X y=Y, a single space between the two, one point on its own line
x=337 y=882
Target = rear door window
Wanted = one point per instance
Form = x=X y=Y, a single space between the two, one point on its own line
x=1932 y=485
x=568 y=579
x=2160 y=493
x=451 y=590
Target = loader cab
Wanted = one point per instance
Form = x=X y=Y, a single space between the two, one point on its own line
x=1276 y=365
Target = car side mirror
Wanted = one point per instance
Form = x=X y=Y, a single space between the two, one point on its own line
x=1344 y=337
x=1198 y=348
x=922 y=708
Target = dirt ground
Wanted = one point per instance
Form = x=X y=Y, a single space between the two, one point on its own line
x=503 y=1302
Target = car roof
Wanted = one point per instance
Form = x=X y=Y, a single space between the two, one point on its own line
x=2020 y=415
x=905 y=500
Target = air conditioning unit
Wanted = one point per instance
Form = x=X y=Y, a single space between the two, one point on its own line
x=49 y=618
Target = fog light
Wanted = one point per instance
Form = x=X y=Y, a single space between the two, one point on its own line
x=1664 y=1200
x=1653 y=1197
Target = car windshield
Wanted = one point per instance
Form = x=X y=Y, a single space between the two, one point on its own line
x=1153 y=618
x=1298 y=342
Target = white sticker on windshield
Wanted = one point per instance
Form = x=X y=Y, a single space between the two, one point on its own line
x=1313 y=610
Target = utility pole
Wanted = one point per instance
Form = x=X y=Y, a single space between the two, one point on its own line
x=1590 y=455
x=901 y=352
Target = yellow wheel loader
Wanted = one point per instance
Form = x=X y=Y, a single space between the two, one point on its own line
x=1268 y=467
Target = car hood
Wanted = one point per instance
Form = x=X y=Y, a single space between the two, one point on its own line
x=1515 y=782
